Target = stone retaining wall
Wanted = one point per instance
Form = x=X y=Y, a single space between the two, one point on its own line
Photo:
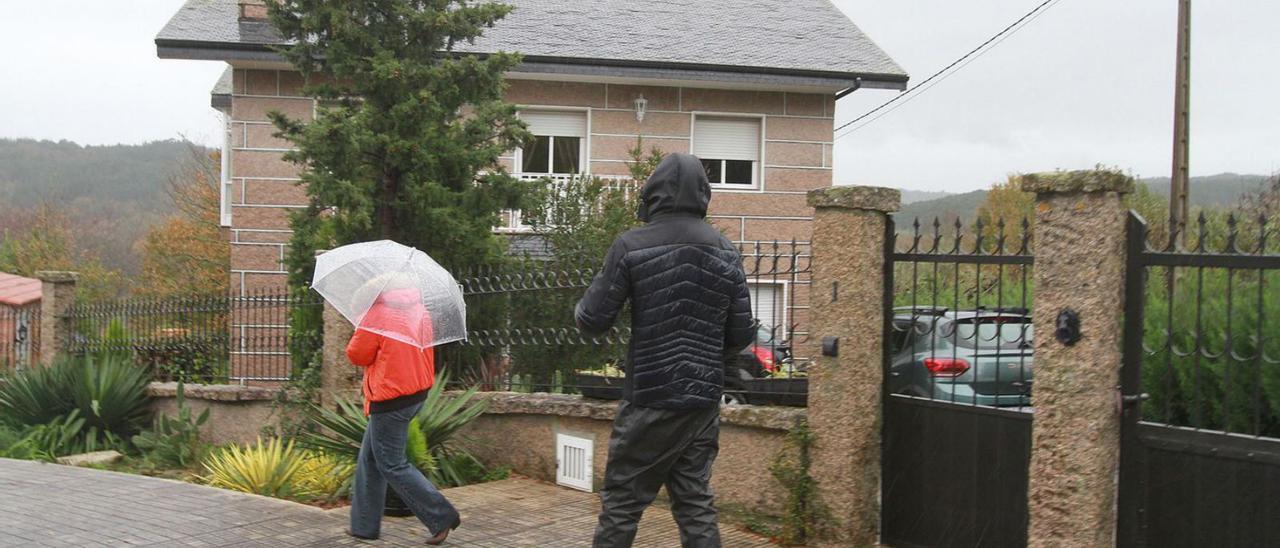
x=239 y=413
x=518 y=430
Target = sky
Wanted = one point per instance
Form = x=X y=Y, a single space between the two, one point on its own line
x=1089 y=82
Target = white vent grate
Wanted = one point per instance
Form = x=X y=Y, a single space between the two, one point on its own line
x=573 y=462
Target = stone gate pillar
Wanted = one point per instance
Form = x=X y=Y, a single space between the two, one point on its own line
x=58 y=295
x=847 y=296
x=339 y=378
x=1080 y=269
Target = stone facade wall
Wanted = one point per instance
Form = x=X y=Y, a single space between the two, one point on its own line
x=797 y=156
x=797 y=129
x=519 y=431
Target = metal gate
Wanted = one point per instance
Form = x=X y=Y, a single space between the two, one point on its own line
x=19 y=336
x=1200 y=455
x=957 y=426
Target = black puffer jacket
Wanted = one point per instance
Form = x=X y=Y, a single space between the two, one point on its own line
x=690 y=308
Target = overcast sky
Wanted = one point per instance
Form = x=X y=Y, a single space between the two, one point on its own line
x=1089 y=82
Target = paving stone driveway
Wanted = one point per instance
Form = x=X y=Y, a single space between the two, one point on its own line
x=53 y=505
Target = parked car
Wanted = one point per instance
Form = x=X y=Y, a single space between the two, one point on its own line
x=981 y=356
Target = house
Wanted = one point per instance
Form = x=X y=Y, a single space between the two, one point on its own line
x=19 y=321
x=754 y=94
x=750 y=86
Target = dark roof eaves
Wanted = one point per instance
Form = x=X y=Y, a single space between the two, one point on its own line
x=242 y=51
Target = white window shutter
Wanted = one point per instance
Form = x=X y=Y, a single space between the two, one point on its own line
x=722 y=138
x=764 y=305
x=556 y=123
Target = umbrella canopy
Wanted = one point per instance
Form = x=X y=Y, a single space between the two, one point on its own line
x=393 y=290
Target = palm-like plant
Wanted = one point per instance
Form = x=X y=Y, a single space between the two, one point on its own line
x=342 y=429
x=272 y=469
x=109 y=393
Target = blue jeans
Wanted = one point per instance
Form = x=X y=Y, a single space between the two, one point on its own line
x=383 y=462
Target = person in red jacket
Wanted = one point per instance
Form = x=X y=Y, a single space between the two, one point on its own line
x=397 y=376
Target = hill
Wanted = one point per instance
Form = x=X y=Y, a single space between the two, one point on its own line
x=1223 y=190
x=112 y=193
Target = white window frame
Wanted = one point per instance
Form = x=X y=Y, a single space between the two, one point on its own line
x=225 y=186
x=757 y=171
x=782 y=308
x=584 y=144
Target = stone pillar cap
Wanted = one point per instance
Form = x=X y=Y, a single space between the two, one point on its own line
x=869 y=198
x=1085 y=181
x=57 y=276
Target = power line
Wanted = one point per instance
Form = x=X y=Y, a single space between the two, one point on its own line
x=947 y=71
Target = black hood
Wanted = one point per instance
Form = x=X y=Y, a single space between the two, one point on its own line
x=678 y=185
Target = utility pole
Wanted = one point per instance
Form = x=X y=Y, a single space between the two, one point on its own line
x=1180 y=184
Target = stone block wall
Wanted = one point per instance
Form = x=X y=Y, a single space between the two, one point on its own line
x=519 y=431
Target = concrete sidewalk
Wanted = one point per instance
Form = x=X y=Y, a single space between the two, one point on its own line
x=53 y=505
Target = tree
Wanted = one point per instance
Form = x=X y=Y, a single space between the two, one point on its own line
x=407 y=136
x=47 y=242
x=1007 y=203
x=187 y=252
x=578 y=220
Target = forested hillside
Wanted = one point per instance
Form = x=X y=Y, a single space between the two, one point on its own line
x=110 y=195
x=1223 y=190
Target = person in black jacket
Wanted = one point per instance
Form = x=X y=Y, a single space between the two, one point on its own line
x=690 y=313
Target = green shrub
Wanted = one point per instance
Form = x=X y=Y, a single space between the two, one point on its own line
x=339 y=432
x=36 y=395
x=174 y=440
x=109 y=394
x=61 y=436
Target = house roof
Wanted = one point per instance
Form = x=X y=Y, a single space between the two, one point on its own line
x=18 y=291
x=794 y=41
x=220 y=95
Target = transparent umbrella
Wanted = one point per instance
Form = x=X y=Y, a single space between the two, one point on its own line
x=393 y=290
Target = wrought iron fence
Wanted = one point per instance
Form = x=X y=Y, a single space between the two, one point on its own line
x=523 y=338
x=960 y=329
x=1210 y=347
x=19 y=337
x=206 y=339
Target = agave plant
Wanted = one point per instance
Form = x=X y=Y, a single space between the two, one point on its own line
x=325 y=476
x=342 y=429
x=36 y=395
x=109 y=393
x=270 y=469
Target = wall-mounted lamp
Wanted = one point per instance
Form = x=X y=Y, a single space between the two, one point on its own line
x=642 y=105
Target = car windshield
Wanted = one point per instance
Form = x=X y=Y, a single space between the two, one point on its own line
x=1009 y=333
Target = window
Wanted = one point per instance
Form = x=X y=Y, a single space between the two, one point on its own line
x=769 y=308
x=729 y=149
x=558 y=142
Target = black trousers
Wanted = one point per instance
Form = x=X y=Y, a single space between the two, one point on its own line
x=650 y=448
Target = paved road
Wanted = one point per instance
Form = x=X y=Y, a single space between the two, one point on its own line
x=53 y=505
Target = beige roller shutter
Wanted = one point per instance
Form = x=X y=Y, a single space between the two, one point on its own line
x=724 y=138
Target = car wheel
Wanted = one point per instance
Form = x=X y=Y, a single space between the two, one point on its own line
x=733 y=398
